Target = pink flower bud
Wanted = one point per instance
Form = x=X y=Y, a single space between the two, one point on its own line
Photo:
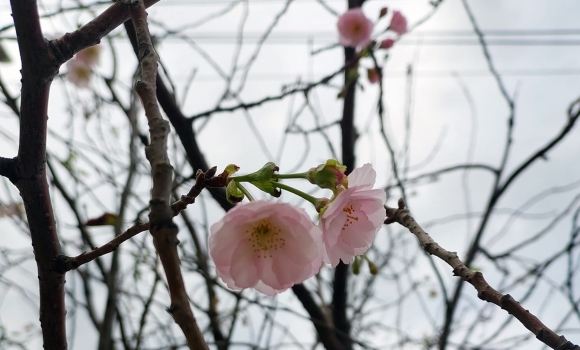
x=398 y=23
x=387 y=43
x=383 y=12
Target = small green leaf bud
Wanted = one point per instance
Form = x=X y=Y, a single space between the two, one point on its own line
x=356 y=266
x=374 y=269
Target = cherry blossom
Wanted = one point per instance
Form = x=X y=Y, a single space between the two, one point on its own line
x=398 y=23
x=265 y=245
x=90 y=55
x=354 y=29
x=79 y=73
x=352 y=219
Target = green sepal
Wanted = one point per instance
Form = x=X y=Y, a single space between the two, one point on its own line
x=263 y=179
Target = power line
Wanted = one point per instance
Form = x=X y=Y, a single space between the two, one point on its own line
x=297 y=40
x=422 y=33
x=464 y=73
x=495 y=37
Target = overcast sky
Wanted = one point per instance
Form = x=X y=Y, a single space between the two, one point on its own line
x=535 y=46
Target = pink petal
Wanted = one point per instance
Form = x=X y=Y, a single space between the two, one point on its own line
x=244 y=270
x=265 y=289
x=363 y=177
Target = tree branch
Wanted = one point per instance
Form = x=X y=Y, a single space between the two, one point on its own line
x=9 y=169
x=90 y=34
x=182 y=126
x=203 y=180
x=162 y=228
x=37 y=73
x=348 y=140
x=323 y=327
x=484 y=290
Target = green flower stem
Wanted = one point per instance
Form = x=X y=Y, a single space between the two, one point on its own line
x=246 y=192
x=290 y=176
x=299 y=193
x=243 y=178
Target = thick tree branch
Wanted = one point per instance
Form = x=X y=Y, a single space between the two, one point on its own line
x=348 y=141
x=37 y=73
x=90 y=34
x=323 y=327
x=162 y=228
x=8 y=169
x=484 y=290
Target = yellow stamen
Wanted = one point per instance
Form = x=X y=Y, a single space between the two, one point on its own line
x=265 y=238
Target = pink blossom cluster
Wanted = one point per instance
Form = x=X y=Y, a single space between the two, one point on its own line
x=355 y=30
x=271 y=246
x=80 y=67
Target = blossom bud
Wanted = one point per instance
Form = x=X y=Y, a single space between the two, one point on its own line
x=398 y=23
x=231 y=169
x=383 y=12
x=329 y=175
x=373 y=268
x=356 y=265
x=387 y=43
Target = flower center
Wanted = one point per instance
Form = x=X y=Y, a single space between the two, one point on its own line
x=351 y=216
x=83 y=73
x=265 y=238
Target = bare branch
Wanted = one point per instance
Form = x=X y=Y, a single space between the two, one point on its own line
x=323 y=327
x=162 y=228
x=484 y=290
x=285 y=93
x=37 y=73
x=91 y=33
x=182 y=126
x=203 y=180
